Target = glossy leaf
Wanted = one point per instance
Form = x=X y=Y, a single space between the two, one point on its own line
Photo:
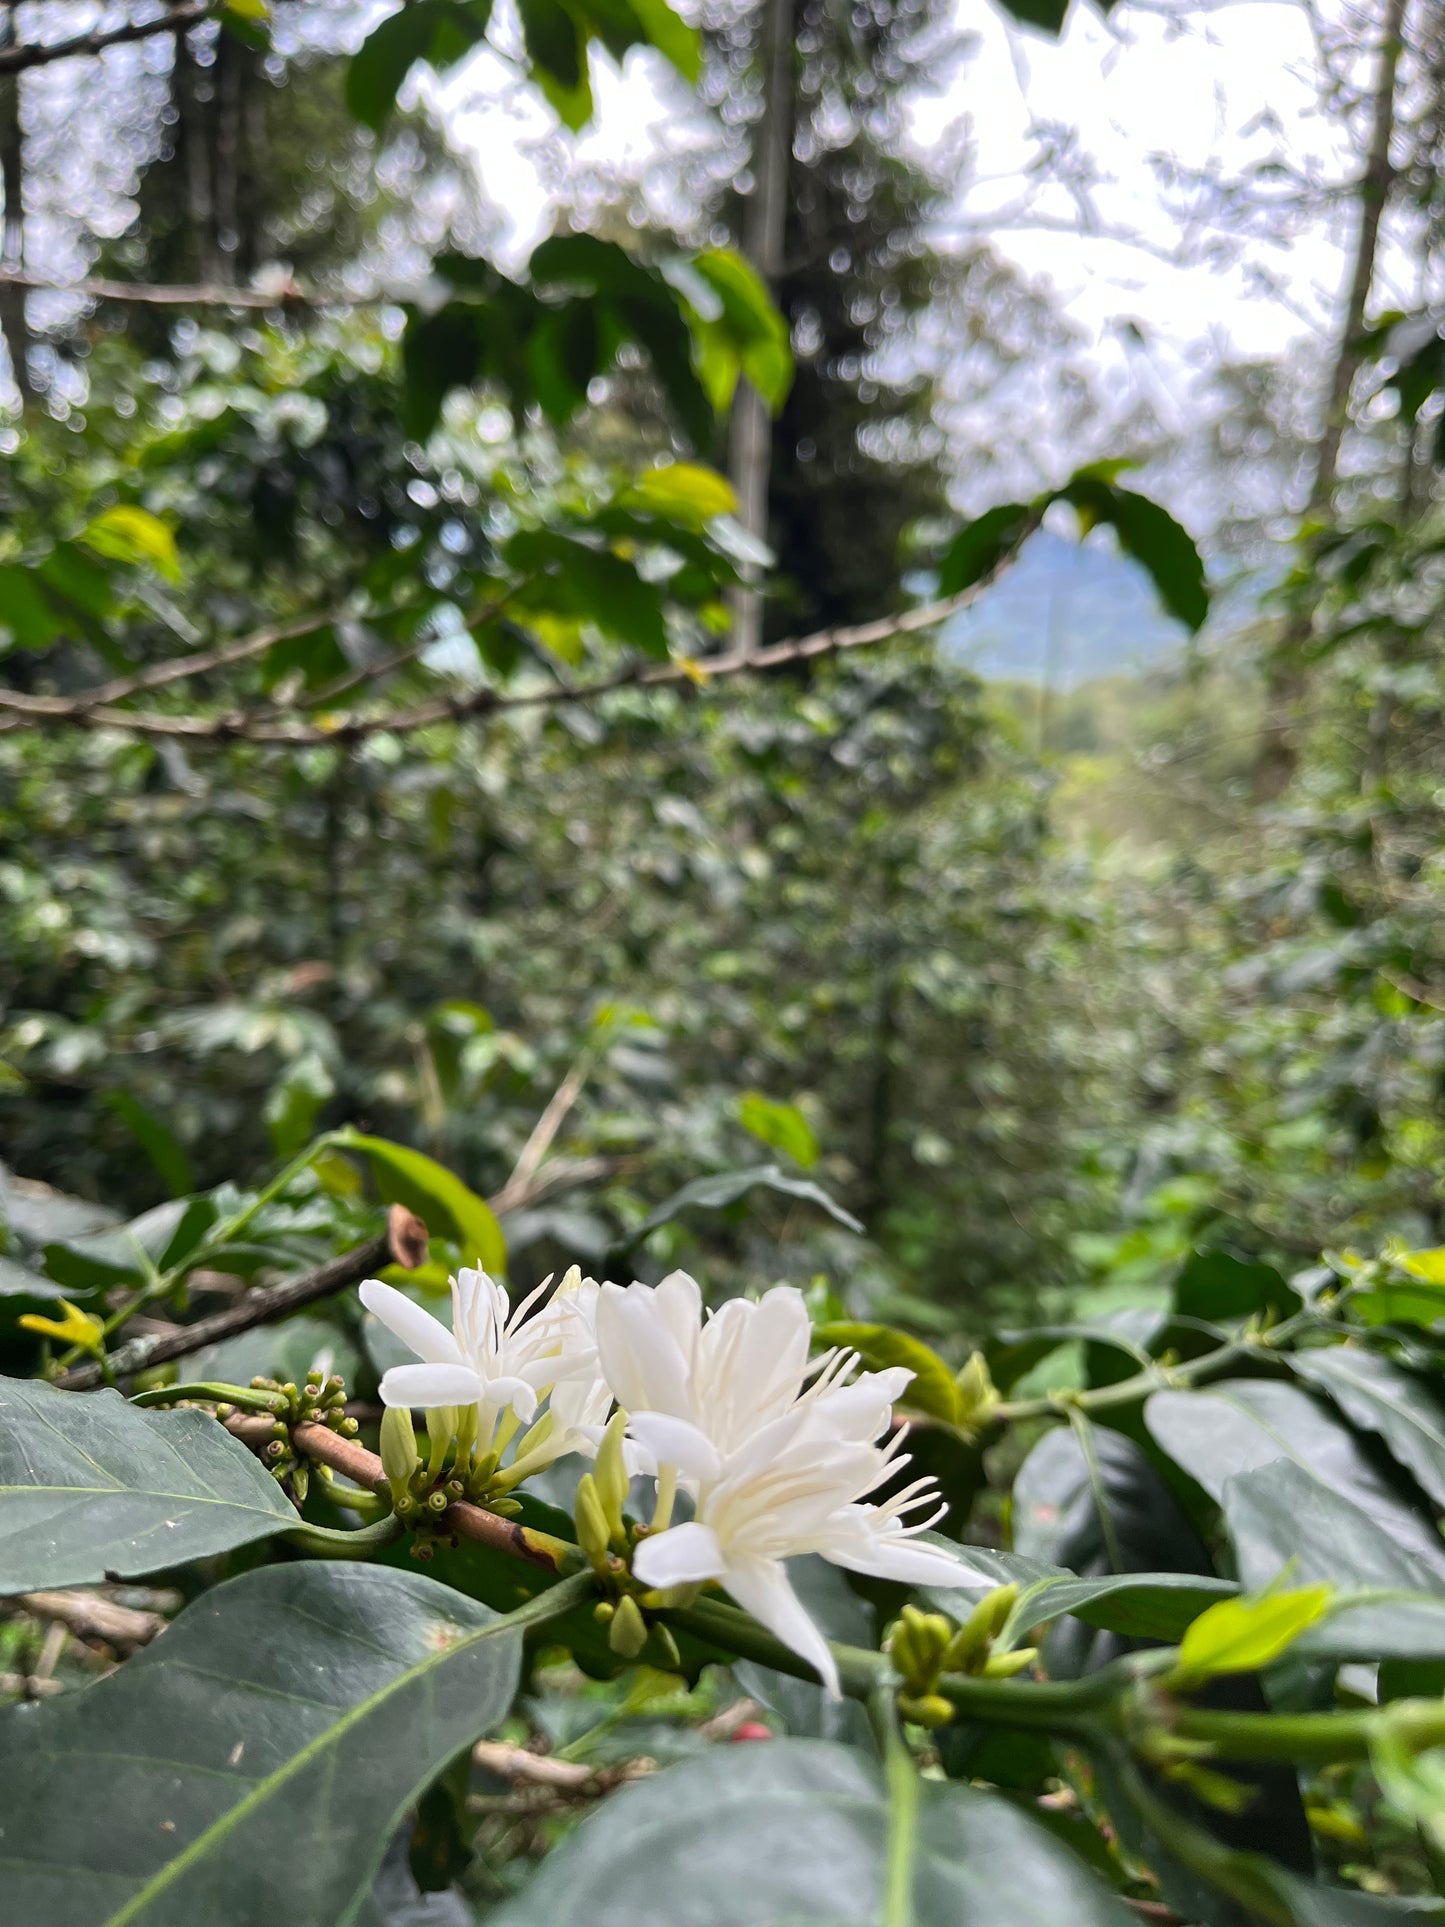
x=92 y=1487
x=448 y=1208
x=1280 y=1516
x=271 y=1741
x=1383 y=1397
x=1242 y=1425
x=1152 y=537
x=799 y=1830
x=978 y=548
x=934 y=1390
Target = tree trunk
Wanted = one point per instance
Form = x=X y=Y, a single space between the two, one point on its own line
x=13 y=322
x=751 y=434
x=1285 y=677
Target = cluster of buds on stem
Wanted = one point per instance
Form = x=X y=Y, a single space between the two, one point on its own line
x=607 y=1538
x=925 y=1646
x=320 y=1401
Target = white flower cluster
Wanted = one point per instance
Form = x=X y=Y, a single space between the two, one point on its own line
x=778 y=1453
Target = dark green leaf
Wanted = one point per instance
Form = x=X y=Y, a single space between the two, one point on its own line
x=798 y=1830
x=1241 y=1425
x=1152 y=537
x=271 y=1743
x=1214 y=1285
x=160 y=1144
x=1382 y=1397
x=439 y=31
x=980 y=547
x=91 y=1486
x=1280 y=1514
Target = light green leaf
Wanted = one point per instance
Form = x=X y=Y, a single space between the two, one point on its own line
x=683 y=492
x=91 y=1486
x=673 y=38
x=254 y=1763
x=780 y=1126
x=1246 y=1635
x=129 y=534
x=801 y=1830
x=933 y=1391
x=450 y=1210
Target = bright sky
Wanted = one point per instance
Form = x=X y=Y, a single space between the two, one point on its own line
x=1232 y=86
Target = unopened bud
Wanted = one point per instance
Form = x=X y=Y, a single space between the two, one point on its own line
x=398 y=1449
x=602 y=1612
x=300 y=1481
x=1005 y=1665
x=664 y=1648
x=926 y=1709
x=506 y=1508
x=592 y=1529
x=610 y=1474
x=977 y=1394
x=968 y=1649
x=627 y=1635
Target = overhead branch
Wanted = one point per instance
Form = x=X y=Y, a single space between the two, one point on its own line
x=196 y=294
x=15 y=60
x=93 y=710
x=256 y=1308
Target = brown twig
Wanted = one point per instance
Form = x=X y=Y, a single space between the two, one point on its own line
x=256 y=1308
x=179 y=668
x=364 y=1469
x=15 y=60
x=195 y=294
x=85 y=711
x=369 y=672
x=92 y=1616
x=518 y=1188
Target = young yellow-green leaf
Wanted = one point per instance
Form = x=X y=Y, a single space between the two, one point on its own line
x=1429 y=1265
x=683 y=492
x=673 y=38
x=129 y=534
x=934 y=1390
x=782 y=1126
x=258 y=10
x=408 y=1177
x=1245 y=1635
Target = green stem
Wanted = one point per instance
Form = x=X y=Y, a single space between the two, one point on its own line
x=1308 y=1737
x=244 y=1397
x=1158 y=1378
x=325 y=1542
x=902 y=1779
x=1246 y=1878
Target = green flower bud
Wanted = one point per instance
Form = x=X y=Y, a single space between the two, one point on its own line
x=977 y=1395
x=610 y=1475
x=592 y=1529
x=627 y=1635
x=1005 y=1665
x=968 y=1649
x=602 y=1612
x=398 y=1449
x=664 y=1649
x=925 y=1709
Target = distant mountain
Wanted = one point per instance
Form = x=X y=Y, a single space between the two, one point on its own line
x=1065 y=613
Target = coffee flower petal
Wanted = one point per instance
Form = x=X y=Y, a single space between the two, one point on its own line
x=417 y=1329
